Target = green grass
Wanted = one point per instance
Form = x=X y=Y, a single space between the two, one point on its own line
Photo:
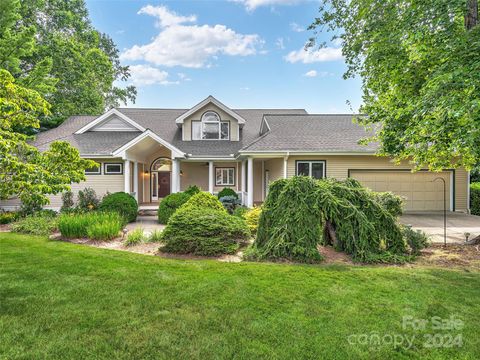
x=64 y=301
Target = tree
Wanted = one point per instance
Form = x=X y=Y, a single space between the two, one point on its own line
x=25 y=171
x=84 y=62
x=420 y=70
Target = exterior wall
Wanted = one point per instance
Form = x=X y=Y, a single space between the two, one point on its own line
x=257 y=181
x=196 y=173
x=187 y=124
x=337 y=166
x=100 y=183
x=275 y=168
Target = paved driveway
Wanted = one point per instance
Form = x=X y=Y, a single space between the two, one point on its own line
x=432 y=223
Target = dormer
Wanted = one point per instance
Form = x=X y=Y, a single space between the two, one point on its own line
x=210 y=120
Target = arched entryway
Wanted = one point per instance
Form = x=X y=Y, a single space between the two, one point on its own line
x=160 y=178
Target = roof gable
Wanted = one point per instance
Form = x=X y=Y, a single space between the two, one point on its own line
x=209 y=100
x=112 y=120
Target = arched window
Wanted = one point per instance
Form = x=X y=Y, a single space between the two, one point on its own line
x=162 y=164
x=210 y=127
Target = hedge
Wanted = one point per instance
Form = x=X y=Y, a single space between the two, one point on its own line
x=475 y=198
x=172 y=202
x=204 y=200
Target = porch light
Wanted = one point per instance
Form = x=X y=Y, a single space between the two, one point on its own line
x=146 y=172
x=181 y=172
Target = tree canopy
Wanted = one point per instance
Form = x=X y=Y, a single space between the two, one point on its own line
x=420 y=68
x=52 y=64
x=79 y=64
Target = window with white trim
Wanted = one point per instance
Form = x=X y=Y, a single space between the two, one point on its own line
x=94 y=170
x=113 y=169
x=210 y=127
x=224 y=176
x=314 y=169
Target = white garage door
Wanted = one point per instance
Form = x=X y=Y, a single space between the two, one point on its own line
x=418 y=190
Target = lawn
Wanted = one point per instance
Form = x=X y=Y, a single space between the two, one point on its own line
x=64 y=301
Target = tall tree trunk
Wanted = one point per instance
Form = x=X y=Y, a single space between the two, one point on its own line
x=471 y=17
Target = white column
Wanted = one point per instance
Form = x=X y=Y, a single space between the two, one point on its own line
x=175 y=174
x=179 y=178
x=250 y=182
x=135 y=179
x=126 y=176
x=285 y=167
x=210 y=177
x=263 y=180
x=244 y=182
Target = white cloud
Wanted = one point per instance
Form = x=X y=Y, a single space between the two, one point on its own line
x=311 y=56
x=245 y=88
x=148 y=75
x=183 y=77
x=251 y=5
x=295 y=27
x=280 y=43
x=315 y=73
x=190 y=45
x=165 y=16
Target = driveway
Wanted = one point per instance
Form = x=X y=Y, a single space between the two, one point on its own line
x=432 y=223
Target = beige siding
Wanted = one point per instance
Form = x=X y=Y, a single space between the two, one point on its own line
x=196 y=173
x=275 y=169
x=338 y=166
x=100 y=183
x=187 y=124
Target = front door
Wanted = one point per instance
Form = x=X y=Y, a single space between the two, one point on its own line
x=160 y=184
x=163 y=183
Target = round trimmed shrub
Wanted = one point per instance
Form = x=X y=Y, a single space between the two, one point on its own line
x=227 y=192
x=122 y=203
x=170 y=204
x=204 y=200
x=204 y=231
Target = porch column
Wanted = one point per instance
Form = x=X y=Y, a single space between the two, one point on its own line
x=210 y=177
x=175 y=174
x=135 y=179
x=243 y=182
x=250 y=182
x=285 y=167
x=126 y=176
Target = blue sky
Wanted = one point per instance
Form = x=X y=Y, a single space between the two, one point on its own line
x=246 y=53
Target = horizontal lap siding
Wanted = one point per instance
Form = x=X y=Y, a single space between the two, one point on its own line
x=338 y=166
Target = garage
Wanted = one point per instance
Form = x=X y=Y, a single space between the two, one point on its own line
x=418 y=189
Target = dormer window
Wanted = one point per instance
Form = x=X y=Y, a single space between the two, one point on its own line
x=210 y=127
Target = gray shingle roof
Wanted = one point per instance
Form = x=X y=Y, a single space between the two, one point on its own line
x=290 y=129
x=316 y=133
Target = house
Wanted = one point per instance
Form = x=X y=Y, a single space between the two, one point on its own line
x=154 y=152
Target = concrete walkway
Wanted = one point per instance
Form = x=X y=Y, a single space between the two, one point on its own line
x=147 y=223
x=432 y=223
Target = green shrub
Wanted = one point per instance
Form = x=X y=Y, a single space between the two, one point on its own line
x=87 y=200
x=204 y=200
x=252 y=216
x=390 y=202
x=230 y=203
x=6 y=217
x=134 y=237
x=416 y=240
x=94 y=225
x=170 y=204
x=36 y=224
x=67 y=201
x=227 y=192
x=192 y=190
x=155 y=236
x=240 y=211
x=122 y=203
x=301 y=212
x=204 y=231
x=475 y=198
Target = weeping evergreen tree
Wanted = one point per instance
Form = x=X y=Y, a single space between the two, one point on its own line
x=301 y=213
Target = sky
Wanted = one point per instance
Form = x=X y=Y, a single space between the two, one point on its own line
x=246 y=53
